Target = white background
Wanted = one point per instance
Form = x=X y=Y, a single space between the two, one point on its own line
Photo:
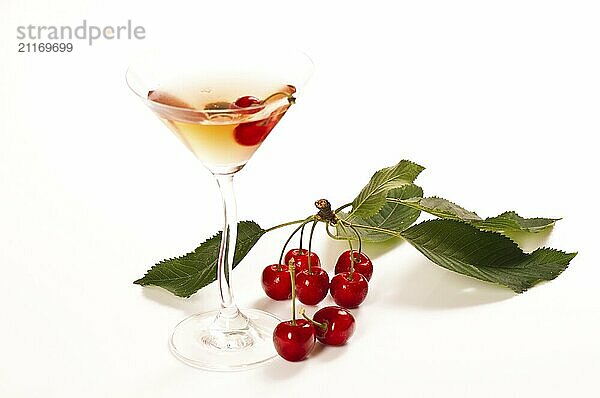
x=499 y=100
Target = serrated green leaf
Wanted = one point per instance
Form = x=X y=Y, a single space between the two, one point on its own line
x=441 y=208
x=185 y=275
x=371 y=198
x=485 y=255
x=510 y=221
x=392 y=216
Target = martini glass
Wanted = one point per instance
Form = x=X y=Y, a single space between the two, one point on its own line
x=194 y=94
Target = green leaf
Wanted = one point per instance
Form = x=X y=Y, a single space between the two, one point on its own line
x=372 y=197
x=510 y=221
x=441 y=208
x=485 y=255
x=392 y=216
x=185 y=275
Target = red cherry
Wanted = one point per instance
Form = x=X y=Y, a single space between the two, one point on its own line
x=311 y=288
x=294 y=342
x=349 y=293
x=339 y=325
x=246 y=101
x=362 y=264
x=300 y=257
x=276 y=282
x=252 y=103
x=253 y=133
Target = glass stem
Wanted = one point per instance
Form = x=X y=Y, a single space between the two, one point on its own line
x=227 y=249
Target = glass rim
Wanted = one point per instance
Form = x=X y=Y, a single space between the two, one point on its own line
x=151 y=104
x=144 y=96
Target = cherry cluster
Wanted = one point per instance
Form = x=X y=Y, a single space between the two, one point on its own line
x=299 y=275
x=348 y=287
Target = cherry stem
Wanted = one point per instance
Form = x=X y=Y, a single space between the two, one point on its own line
x=290 y=97
x=321 y=325
x=310 y=238
x=342 y=208
x=351 y=274
x=304 y=222
x=332 y=236
x=285 y=224
x=352 y=259
x=292 y=269
x=359 y=240
x=382 y=230
x=301 y=237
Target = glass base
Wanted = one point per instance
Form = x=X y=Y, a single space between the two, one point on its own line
x=211 y=341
